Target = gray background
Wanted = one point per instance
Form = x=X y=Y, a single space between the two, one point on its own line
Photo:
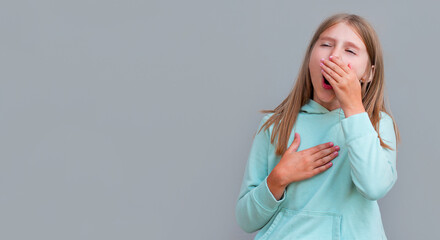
x=134 y=119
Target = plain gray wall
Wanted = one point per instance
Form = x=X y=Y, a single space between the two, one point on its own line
x=134 y=119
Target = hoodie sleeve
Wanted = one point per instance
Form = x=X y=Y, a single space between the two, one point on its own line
x=256 y=205
x=373 y=167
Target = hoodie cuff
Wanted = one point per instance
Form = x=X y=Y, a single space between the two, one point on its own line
x=356 y=126
x=263 y=196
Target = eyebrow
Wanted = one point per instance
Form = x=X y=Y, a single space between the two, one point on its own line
x=348 y=42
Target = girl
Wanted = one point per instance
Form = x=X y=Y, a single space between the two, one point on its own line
x=324 y=180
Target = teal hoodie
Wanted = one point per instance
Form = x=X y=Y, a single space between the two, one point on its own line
x=339 y=203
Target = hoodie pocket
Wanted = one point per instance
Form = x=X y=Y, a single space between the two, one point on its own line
x=304 y=224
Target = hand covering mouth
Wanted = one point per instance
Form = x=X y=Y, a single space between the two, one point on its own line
x=325 y=80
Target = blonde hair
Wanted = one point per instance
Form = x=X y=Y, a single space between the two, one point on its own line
x=284 y=116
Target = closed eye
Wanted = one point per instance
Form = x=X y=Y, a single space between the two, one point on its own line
x=351 y=52
x=326 y=45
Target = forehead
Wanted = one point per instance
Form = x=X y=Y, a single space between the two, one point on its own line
x=342 y=32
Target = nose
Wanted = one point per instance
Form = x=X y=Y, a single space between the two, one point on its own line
x=336 y=52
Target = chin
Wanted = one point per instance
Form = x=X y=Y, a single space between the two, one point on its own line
x=324 y=95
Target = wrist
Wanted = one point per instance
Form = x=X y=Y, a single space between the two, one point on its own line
x=276 y=179
x=353 y=110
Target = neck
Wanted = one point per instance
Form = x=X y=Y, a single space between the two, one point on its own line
x=328 y=105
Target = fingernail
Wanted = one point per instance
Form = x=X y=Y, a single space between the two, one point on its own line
x=322 y=64
x=331 y=56
x=331 y=144
x=322 y=59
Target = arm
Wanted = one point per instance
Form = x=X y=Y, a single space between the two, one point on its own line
x=373 y=168
x=256 y=204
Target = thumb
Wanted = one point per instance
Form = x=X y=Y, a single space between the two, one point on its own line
x=295 y=144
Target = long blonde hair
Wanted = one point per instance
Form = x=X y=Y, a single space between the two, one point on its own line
x=285 y=114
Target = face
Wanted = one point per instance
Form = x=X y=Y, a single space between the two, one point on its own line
x=338 y=40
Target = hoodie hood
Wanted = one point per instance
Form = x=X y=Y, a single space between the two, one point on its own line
x=314 y=107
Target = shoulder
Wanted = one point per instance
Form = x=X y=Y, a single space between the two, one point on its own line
x=267 y=116
x=386 y=126
x=385 y=118
x=263 y=120
x=384 y=115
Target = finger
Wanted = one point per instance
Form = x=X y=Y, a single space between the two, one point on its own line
x=295 y=144
x=326 y=64
x=322 y=168
x=319 y=147
x=326 y=159
x=320 y=154
x=340 y=64
x=329 y=78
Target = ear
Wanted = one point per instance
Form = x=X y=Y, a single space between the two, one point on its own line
x=371 y=74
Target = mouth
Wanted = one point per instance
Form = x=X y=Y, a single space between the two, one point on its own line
x=326 y=84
